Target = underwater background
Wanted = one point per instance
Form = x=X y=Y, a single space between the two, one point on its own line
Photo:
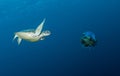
x=61 y=53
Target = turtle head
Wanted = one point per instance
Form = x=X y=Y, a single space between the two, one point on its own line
x=45 y=33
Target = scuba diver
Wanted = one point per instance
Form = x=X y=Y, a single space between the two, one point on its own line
x=88 y=39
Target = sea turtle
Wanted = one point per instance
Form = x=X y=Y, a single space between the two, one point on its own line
x=32 y=35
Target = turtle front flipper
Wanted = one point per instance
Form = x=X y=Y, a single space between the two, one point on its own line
x=39 y=28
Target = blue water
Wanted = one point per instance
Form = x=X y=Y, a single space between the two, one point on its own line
x=61 y=53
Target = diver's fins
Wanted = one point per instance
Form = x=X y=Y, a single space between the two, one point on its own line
x=19 y=40
x=39 y=28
